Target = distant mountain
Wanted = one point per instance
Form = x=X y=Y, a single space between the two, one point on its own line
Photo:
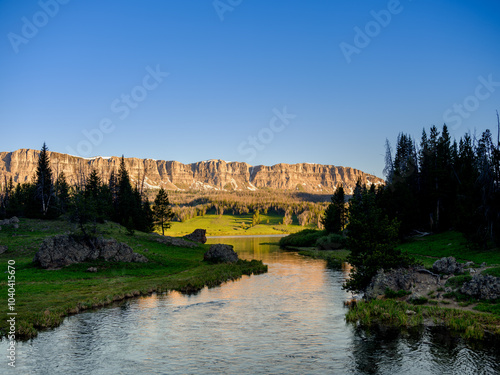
x=203 y=175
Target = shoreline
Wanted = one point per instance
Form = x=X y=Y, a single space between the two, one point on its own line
x=43 y=298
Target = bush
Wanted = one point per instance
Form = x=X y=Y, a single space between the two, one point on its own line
x=304 y=238
x=331 y=242
x=418 y=301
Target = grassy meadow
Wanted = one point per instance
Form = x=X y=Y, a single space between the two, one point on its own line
x=45 y=297
x=231 y=225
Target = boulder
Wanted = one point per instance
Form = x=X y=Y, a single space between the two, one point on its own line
x=482 y=287
x=447 y=266
x=3 y=249
x=199 y=235
x=221 y=253
x=63 y=250
x=409 y=279
x=175 y=241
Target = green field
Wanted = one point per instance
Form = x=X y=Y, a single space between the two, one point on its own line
x=430 y=248
x=231 y=225
x=44 y=297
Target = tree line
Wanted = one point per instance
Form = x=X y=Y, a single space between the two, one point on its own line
x=437 y=186
x=90 y=202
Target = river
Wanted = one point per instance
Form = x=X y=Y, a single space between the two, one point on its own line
x=288 y=321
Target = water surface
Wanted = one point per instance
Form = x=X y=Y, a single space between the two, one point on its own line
x=288 y=321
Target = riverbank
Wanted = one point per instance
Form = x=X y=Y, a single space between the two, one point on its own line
x=44 y=297
x=440 y=304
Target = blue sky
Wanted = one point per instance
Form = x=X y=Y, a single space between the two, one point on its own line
x=257 y=81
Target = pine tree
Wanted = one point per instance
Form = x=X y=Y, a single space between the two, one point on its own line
x=372 y=240
x=44 y=188
x=334 y=219
x=256 y=218
x=162 y=211
x=62 y=188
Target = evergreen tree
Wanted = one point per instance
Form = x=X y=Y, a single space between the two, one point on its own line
x=256 y=218
x=372 y=240
x=334 y=219
x=44 y=188
x=62 y=188
x=125 y=200
x=162 y=212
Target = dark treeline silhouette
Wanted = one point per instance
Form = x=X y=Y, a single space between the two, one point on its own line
x=433 y=187
x=444 y=185
x=87 y=203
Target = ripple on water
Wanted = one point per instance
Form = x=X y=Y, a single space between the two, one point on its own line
x=288 y=321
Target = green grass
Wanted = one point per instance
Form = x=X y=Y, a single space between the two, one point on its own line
x=231 y=225
x=430 y=248
x=469 y=325
x=492 y=271
x=44 y=297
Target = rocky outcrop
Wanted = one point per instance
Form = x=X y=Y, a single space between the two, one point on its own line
x=413 y=280
x=211 y=174
x=175 y=241
x=62 y=250
x=14 y=221
x=199 y=235
x=448 y=266
x=221 y=253
x=482 y=287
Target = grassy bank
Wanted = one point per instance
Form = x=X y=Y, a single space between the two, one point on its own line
x=461 y=314
x=305 y=243
x=231 y=225
x=45 y=297
x=470 y=325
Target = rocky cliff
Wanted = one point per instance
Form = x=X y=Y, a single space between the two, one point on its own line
x=172 y=175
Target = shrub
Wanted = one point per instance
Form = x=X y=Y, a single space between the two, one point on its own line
x=331 y=242
x=306 y=237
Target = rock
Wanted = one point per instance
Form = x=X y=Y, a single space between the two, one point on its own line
x=410 y=312
x=62 y=250
x=92 y=269
x=3 y=249
x=175 y=241
x=199 y=235
x=408 y=279
x=221 y=253
x=482 y=287
x=448 y=266
x=14 y=220
x=469 y=265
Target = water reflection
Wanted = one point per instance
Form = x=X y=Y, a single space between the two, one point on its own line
x=288 y=321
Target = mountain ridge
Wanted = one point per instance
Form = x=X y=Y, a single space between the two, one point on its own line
x=213 y=174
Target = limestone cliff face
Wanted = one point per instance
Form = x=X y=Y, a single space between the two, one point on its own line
x=211 y=174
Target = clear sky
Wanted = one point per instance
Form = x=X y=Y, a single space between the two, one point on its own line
x=244 y=80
